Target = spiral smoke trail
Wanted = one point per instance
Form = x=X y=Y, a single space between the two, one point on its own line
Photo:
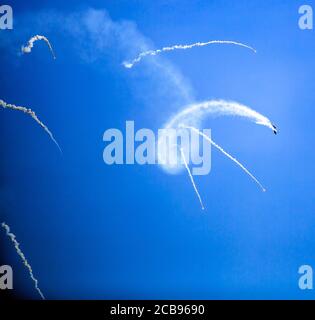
x=33 y=115
x=225 y=153
x=30 y=44
x=22 y=256
x=130 y=64
x=191 y=178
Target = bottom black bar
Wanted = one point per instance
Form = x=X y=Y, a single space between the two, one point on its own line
x=153 y=309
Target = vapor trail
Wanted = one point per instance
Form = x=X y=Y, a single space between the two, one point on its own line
x=33 y=115
x=22 y=256
x=191 y=178
x=196 y=111
x=130 y=64
x=30 y=45
x=225 y=153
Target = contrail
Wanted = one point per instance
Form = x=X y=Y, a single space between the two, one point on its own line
x=33 y=115
x=191 y=178
x=197 y=111
x=130 y=64
x=30 y=45
x=224 y=152
x=22 y=256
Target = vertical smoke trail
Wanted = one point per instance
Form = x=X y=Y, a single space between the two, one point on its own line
x=225 y=153
x=30 y=45
x=130 y=64
x=191 y=178
x=22 y=256
x=33 y=115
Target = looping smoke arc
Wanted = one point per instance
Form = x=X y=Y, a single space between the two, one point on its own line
x=22 y=256
x=30 y=44
x=215 y=108
x=191 y=116
x=33 y=115
x=130 y=64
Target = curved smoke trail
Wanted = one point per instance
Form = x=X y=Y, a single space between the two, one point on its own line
x=22 y=256
x=30 y=45
x=130 y=64
x=33 y=115
x=191 y=115
x=195 y=112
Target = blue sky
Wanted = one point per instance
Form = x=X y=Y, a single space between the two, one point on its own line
x=96 y=231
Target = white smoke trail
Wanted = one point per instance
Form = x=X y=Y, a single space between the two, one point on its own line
x=33 y=115
x=196 y=111
x=22 y=256
x=225 y=153
x=130 y=64
x=191 y=178
x=30 y=45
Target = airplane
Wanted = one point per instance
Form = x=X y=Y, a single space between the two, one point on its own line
x=275 y=131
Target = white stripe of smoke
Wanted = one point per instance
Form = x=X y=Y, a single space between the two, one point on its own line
x=33 y=115
x=196 y=111
x=225 y=153
x=130 y=64
x=30 y=45
x=191 y=178
x=22 y=256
